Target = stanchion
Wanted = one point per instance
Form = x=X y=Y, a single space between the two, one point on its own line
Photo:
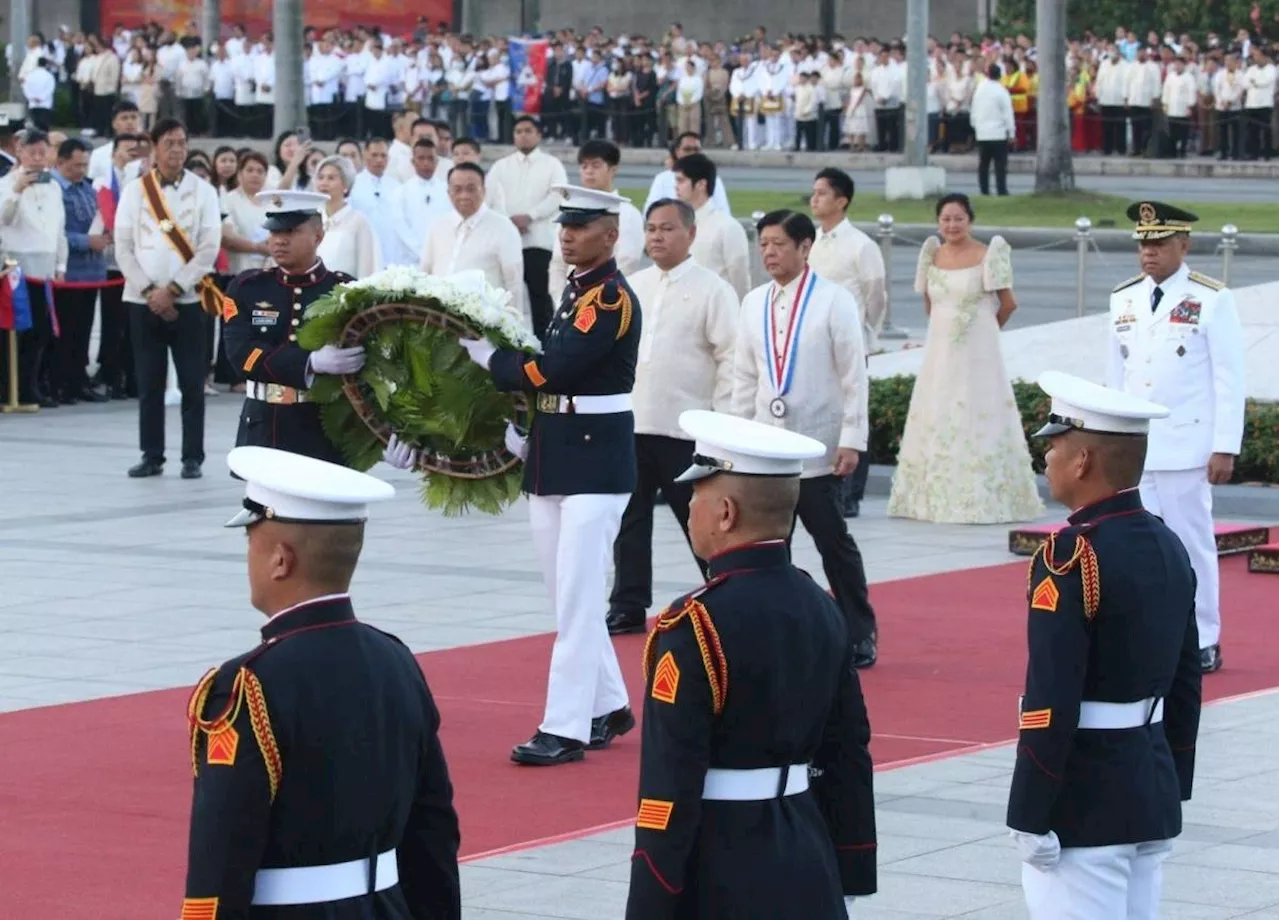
x=1084 y=226
x=1229 y=243
x=12 y=404
x=887 y=329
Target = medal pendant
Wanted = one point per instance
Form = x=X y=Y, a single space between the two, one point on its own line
x=778 y=408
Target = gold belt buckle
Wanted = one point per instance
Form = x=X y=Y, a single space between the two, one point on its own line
x=548 y=403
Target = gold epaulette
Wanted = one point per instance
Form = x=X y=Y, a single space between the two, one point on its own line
x=594 y=298
x=1211 y=283
x=1084 y=556
x=1127 y=283
x=704 y=630
x=223 y=738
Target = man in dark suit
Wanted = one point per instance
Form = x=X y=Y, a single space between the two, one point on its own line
x=580 y=471
x=321 y=788
x=755 y=794
x=1107 y=727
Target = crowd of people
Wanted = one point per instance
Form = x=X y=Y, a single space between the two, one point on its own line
x=1165 y=96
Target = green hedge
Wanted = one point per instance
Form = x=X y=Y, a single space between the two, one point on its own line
x=890 y=398
x=1197 y=17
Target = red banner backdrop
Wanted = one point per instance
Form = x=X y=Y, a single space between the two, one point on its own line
x=393 y=16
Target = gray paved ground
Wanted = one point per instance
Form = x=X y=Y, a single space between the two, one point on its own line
x=109 y=586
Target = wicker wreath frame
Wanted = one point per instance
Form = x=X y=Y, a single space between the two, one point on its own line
x=482 y=465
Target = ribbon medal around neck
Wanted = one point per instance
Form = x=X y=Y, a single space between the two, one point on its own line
x=782 y=365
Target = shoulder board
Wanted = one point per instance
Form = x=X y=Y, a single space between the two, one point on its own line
x=252 y=274
x=342 y=277
x=1208 y=282
x=1127 y=283
x=708 y=638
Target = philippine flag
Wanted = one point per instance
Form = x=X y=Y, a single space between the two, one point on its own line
x=528 y=73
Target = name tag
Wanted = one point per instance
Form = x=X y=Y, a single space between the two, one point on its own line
x=265 y=317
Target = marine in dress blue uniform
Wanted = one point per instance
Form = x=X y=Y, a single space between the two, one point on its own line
x=756 y=797
x=262 y=311
x=1176 y=339
x=580 y=471
x=321 y=789
x=1108 y=722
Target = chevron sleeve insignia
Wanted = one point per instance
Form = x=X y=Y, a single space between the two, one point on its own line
x=666 y=679
x=1045 y=596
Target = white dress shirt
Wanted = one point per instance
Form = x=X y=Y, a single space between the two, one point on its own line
x=33 y=226
x=416 y=205
x=144 y=252
x=721 y=245
x=350 y=244
x=686 y=346
x=827 y=398
x=486 y=241
x=848 y=257
x=245 y=218
x=526 y=183
x=664 y=186
x=991 y=112
x=372 y=196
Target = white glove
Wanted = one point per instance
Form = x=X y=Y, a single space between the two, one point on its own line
x=400 y=455
x=480 y=350
x=515 y=442
x=1040 y=851
x=334 y=360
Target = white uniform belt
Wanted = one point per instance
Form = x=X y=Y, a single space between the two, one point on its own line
x=723 y=785
x=584 y=405
x=321 y=884
x=1103 y=716
x=275 y=393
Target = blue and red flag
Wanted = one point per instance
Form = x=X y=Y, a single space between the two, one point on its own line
x=530 y=53
x=15 y=303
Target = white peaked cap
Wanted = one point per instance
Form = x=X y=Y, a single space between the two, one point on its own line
x=580 y=205
x=1079 y=405
x=292 y=488
x=728 y=444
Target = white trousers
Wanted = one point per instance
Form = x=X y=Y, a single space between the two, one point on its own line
x=1184 y=499
x=750 y=133
x=574 y=536
x=773 y=132
x=1099 y=883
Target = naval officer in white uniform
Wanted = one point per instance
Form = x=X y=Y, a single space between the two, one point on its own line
x=1176 y=339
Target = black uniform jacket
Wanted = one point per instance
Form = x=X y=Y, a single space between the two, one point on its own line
x=1111 y=619
x=261 y=314
x=590 y=349
x=753 y=670
x=319 y=747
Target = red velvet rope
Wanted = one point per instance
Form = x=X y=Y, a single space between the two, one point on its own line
x=80 y=285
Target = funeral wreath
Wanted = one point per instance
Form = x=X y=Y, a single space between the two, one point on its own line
x=418 y=383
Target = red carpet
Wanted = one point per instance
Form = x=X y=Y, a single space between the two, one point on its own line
x=94 y=796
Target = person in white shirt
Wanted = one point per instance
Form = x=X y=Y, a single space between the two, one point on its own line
x=417 y=204
x=991 y=114
x=349 y=244
x=372 y=195
x=38 y=87
x=721 y=244
x=528 y=178
x=664 y=183
x=1259 y=105
x=1176 y=340
x=161 y=291
x=33 y=233
x=192 y=86
x=598 y=169
x=799 y=364
x=685 y=362
x=467 y=150
x=848 y=257
x=475 y=238
x=264 y=86
x=125 y=119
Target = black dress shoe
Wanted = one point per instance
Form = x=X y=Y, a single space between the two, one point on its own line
x=614 y=725
x=146 y=468
x=118 y=392
x=864 y=653
x=89 y=394
x=546 y=750
x=852 y=508
x=621 y=622
x=191 y=470
x=1210 y=659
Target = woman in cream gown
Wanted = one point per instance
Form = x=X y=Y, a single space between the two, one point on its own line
x=964 y=456
x=350 y=244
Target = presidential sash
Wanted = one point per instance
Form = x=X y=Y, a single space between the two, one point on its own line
x=206 y=290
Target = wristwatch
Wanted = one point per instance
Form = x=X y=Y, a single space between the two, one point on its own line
x=146 y=291
x=175 y=289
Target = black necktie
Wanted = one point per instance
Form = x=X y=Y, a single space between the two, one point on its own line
x=1155 y=299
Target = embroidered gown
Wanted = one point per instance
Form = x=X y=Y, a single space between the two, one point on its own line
x=964 y=456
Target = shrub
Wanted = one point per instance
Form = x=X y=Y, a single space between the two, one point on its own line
x=890 y=398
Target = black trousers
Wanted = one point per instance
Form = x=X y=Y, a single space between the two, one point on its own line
x=71 y=349
x=34 y=356
x=659 y=460
x=997 y=153
x=807 y=131
x=153 y=339
x=1112 y=129
x=855 y=484
x=1228 y=135
x=821 y=511
x=115 y=351
x=1258 y=133
x=537 y=262
x=1140 y=122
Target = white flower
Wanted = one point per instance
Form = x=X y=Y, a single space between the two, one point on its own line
x=466 y=295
